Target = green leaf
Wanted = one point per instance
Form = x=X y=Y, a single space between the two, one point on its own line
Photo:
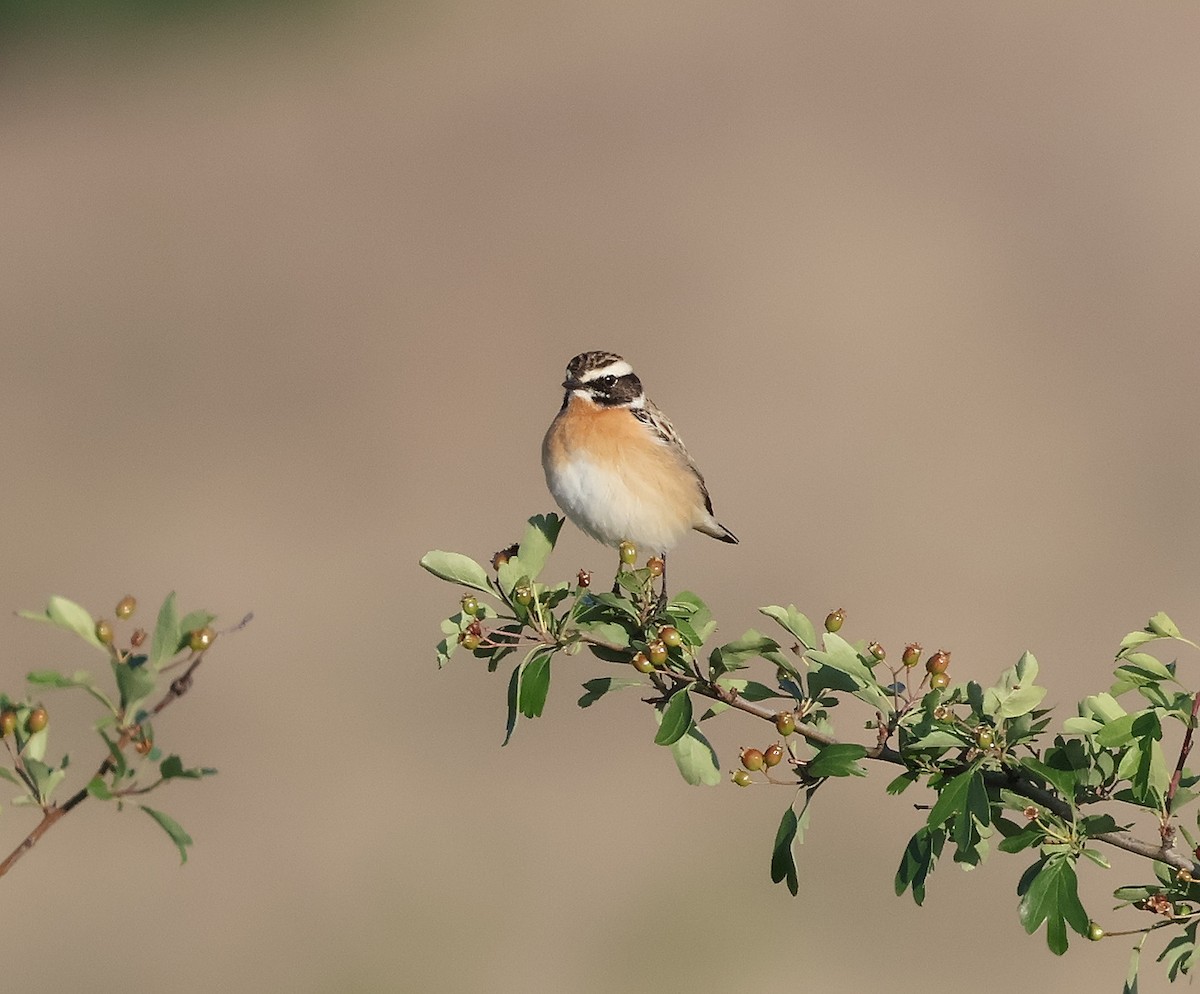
x=454 y=567
x=602 y=685
x=80 y=678
x=695 y=758
x=45 y=778
x=918 y=861
x=1063 y=781
x=795 y=622
x=1163 y=626
x=169 y=825
x=538 y=543
x=70 y=616
x=535 y=682
x=1050 y=893
x=841 y=656
x=676 y=719
x=1131 y=974
x=1117 y=733
x=99 y=789
x=167 y=634
x=783 y=860
x=952 y=798
x=135 y=684
x=172 y=768
x=514 y=685
x=839 y=760
x=902 y=783
x=734 y=655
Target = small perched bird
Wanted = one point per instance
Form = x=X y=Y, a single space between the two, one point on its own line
x=616 y=466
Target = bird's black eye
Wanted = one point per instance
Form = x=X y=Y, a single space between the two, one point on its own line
x=608 y=382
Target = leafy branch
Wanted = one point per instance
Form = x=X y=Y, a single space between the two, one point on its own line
x=1001 y=776
x=177 y=645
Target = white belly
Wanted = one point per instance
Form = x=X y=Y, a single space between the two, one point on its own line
x=601 y=504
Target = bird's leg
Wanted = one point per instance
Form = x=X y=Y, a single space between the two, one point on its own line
x=662 y=593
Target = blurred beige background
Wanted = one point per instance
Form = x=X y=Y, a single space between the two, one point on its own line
x=286 y=294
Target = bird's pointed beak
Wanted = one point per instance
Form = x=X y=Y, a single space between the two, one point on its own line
x=570 y=383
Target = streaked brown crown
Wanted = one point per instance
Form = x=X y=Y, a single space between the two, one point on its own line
x=606 y=378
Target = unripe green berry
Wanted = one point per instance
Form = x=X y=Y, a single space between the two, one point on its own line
x=657 y=653
x=911 y=655
x=523 y=594
x=984 y=738
x=939 y=662
x=742 y=778
x=1183 y=875
x=939 y=681
x=8 y=722
x=641 y=663
x=671 y=637
x=1095 y=932
x=470 y=605
x=37 y=720
x=201 y=639
x=752 y=759
x=126 y=606
x=628 y=553
x=104 y=631
x=470 y=641
x=785 y=722
x=773 y=755
x=656 y=567
x=876 y=650
x=833 y=620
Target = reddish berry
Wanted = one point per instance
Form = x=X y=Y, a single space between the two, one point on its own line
x=785 y=722
x=143 y=746
x=8 y=722
x=584 y=579
x=939 y=662
x=911 y=655
x=656 y=566
x=470 y=640
x=752 y=759
x=137 y=638
x=657 y=653
x=126 y=606
x=834 y=620
x=37 y=720
x=773 y=755
x=670 y=636
x=641 y=663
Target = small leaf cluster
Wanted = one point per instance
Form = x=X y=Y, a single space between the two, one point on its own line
x=999 y=776
x=147 y=671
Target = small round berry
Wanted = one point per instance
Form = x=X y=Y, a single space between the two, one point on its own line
x=939 y=681
x=126 y=606
x=584 y=579
x=1095 y=932
x=1183 y=875
x=742 y=778
x=137 y=638
x=939 y=662
x=104 y=631
x=470 y=641
x=671 y=637
x=470 y=604
x=523 y=594
x=878 y=651
x=656 y=567
x=641 y=663
x=143 y=746
x=785 y=722
x=773 y=755
x=201 y=639
x=37 y=720
x=8 y=722
x=834 y=620
x=984 y=738
x=628 y=553
x=752 y=759
x=657 y=653
x=911 y=655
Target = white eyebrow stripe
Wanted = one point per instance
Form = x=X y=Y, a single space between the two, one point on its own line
x=619 y=368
